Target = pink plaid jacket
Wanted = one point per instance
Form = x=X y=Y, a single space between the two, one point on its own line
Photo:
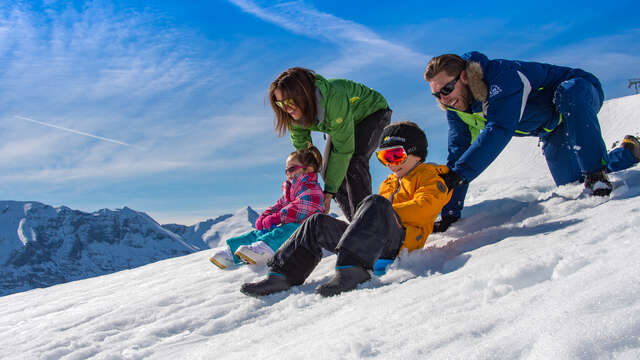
x=301 y=198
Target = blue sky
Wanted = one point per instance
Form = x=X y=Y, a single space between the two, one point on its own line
x=161 y=105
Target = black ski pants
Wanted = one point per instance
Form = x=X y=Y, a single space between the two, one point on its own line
x=357 y=183
x=375 y=232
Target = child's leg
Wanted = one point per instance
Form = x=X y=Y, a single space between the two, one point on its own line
x=266 y=244
x=276 y=237
x=235 y=242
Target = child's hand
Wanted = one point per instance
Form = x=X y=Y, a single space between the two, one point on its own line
x=259 y=225
x=271 y=221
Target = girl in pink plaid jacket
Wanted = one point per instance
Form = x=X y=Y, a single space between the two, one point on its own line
x=301 y=197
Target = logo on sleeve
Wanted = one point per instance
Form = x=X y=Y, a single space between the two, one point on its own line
x=495 y=90
x=441 y=187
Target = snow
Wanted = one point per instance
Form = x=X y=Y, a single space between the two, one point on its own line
x=531 y=272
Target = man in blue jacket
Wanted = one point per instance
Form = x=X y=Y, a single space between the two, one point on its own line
x=489 y=101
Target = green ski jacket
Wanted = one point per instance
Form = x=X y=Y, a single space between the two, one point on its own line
x=341 y=104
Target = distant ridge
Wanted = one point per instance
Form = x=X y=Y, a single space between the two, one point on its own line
x=41 y=245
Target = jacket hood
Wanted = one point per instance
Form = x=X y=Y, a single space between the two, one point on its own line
x=476 y=66
x=322 y=87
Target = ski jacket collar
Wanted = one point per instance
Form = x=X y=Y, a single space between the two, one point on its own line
x=313 y=177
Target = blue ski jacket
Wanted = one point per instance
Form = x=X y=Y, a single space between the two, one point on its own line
x=510 y=98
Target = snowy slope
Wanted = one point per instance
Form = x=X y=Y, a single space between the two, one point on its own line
x=529 y=273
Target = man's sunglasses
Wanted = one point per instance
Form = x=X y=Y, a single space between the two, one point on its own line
x=447 y=88
x=394 y=155
x=285 y=103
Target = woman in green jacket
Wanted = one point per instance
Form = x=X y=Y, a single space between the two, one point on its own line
x=353 y=116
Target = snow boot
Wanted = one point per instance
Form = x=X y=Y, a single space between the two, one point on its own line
x=632 y=144
x=257 y=253
x=443 y=224
x=274 y=283
x=346 y=278
x=222 y=258
x=598 y=183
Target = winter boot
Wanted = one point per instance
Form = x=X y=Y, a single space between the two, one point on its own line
x=274 y=283
x=598 y=183
x=257 y=253
x=632 y=144
x=443 y=224
x=346 y=278
x=222 y=258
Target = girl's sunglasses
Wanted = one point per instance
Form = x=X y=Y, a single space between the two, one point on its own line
x=447 y=88
x=285 y=103
x=394 y=155
x=293 y=168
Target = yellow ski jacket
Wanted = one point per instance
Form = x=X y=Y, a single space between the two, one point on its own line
x=417 y=198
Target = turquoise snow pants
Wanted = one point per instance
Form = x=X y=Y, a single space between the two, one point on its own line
x=274 y=238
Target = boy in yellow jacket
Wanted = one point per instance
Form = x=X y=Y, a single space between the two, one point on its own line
x=401 y=216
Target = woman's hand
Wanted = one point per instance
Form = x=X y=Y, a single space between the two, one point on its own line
x=327 y=202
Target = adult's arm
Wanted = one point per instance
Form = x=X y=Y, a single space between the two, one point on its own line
x=509 y=92
x=300 y=137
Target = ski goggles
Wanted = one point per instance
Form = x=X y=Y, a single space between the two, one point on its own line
x=447 y=88
x=285 y=103
x=394 y=155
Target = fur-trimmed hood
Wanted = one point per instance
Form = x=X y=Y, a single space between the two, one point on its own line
x=476 y=63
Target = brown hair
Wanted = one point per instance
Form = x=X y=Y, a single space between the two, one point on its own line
x=295 y=83
x=308 y=157
x=451 y=64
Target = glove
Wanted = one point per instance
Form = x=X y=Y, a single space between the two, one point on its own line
x=259 y=226
x=380 y=266
x=271 y=221
x=452 y=179
x=443 y=224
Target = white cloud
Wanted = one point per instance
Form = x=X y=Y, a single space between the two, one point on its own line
x=609 y=57
x=130 y=77
x=358 y=45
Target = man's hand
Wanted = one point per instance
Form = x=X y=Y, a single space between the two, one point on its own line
x=452 y=179
x=327 y=202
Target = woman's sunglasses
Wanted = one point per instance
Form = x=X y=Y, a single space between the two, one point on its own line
x=447 y=88
x=285 y=103
x=293 y=168
x=394 y=155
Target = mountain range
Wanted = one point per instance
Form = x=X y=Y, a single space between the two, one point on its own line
x=41 y=245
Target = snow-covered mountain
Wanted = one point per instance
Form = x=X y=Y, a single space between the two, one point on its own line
x=42 y=245
x=208 y=234
x=530 y=272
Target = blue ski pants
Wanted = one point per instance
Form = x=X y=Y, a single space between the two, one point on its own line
x=575 y=148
